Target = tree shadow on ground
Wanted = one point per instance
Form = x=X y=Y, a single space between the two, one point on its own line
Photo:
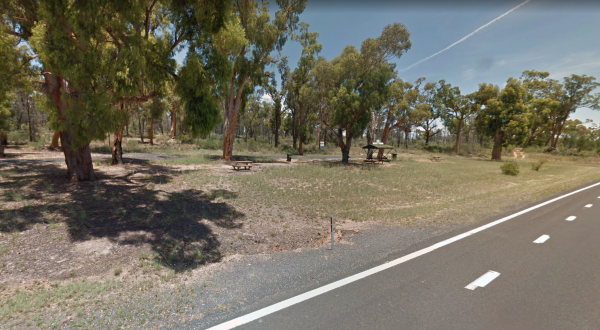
x=126 y=209
x=355 y=165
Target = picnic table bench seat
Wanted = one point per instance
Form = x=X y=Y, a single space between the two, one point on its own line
x=237 y=165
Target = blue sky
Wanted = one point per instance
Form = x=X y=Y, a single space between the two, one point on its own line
x=561 y=37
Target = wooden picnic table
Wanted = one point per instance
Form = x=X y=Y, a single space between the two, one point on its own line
x=436 y=158
x=237 y=165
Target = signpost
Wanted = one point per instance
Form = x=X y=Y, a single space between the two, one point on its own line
x=332 y=232
x=322 y=145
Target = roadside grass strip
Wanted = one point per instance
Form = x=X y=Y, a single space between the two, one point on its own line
x=541 y=239
x=483 y=280
x=480 y=282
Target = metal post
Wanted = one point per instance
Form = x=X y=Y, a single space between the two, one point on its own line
x=332 y=232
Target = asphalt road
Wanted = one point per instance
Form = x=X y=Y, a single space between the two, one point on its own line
x=549 y=285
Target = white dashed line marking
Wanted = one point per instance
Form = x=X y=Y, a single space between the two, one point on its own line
x=484 y=280
x=571 y=218
x=541 y=239
x=589 y=205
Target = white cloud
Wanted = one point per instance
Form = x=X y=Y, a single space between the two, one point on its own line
x=267 y=98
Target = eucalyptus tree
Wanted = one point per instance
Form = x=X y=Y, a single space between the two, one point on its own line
x=552 y=103
x=503 y=114
x=429 y=109
x=576 y=93
x=543 y=100
x=302 y=114
x=277 y=96
x=97 y=56
x=397 y=109
x=15 y=71
x=255 y=115
x=457 y=108
x=263 y=36
x=351 y=85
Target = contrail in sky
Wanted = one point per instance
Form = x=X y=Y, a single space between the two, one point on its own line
x=466 y=37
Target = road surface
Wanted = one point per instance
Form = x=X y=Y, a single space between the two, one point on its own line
x=536 y=270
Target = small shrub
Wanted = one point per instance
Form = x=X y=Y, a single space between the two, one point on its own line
x=433 y=148
x=118 y=271
x=537 y=165
x=510 y=168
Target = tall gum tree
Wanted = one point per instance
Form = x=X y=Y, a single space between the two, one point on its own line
x=276 y=96
x=396 y=110
x=457 y=108
x=576 y=93
x=15 y=72
x=349 y=87
x=264 y=36
x=98 y=55
x=543 y=101
x=302 y=114
x=503 y=114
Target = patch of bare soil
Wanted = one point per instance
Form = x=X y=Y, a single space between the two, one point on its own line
x=134 y=217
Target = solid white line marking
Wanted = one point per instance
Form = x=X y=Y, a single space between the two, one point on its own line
x=571 y=218
x=332 y=286
x=541 y=239
x=483 y=280
x=589 y=205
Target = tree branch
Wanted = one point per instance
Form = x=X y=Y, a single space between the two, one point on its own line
x=147 y=23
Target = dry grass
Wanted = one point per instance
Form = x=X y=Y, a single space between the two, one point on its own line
x=456 y=190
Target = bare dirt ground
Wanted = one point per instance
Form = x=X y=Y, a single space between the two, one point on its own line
x=54 y=229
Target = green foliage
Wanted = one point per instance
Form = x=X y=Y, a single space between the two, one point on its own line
x=110 y=52
x=537 y=165
x=351 y=85
x=433 y=148
x=502 y=115
x=202 y=112
x=510 y=168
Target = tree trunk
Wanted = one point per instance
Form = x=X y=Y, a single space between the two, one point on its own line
x=228 y=137
x=300 y=151
x=141 y=128
x=55 y=137
x=173 y=122
x=234 y=101
x=427 y=137
x=3 y=142
x=384 y=137
x=319 y=138
x=554 y=144
x=460 y=124
x=30 y=121
x=117 y=151
x=78 y=159
x=406 y=132
x=151 y=131
x=277 y=114
x=346 y=149
x=497 y=149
